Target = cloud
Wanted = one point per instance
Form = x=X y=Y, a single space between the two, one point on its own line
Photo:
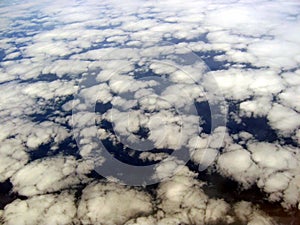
x=181 y=199
x=12 y=158
x=284 y=119
x=100 y=200
x=238 y=164
x=258 y=107
x=247 y=212
x=271 y=167
x=41 y=209
x=48 y=175
x=135 y=57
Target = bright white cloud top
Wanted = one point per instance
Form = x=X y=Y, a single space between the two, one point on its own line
x=99 y=97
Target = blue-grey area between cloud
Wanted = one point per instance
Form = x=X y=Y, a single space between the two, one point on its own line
x=101 y=98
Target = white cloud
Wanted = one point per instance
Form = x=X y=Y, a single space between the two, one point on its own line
x=183 y=200
x=290 y=97
x=106 y=43
x=275 y=53
x=277 y=182
x=284 y=119
x=272 y=156
x=100 y=200
x=240 y=84
x=51 y=209
x=47 y=175
x=258 y=107
x=238 y=164
x=12 y=158
x=250 y=214
x=66 y=67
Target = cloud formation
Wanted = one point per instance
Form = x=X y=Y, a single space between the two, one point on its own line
x=136 y=78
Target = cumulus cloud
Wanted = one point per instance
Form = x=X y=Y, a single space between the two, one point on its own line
x=134 y=61
x=271 y=167
x=181 y=199
x=48 y=175
x=245 y=211
x=284 y=119
x=238 y=164
x=13 y=157
x=100 y=200
x=41 y=209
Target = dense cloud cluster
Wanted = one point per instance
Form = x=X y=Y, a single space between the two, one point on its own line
x=156 y=84
x=42 y=209
x=179 y=200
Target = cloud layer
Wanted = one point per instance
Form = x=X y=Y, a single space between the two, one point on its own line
x=151 y=85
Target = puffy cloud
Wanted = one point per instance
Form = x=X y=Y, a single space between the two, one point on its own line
x=45 y=132
x=246 y=212
x=47 y=54
x=41 y=209
x=12 y=158
x=249 y=15
x=181 y=199
x=238 y=165
x=205 y=148
x=290 y=98
x=277 y=182
x=258 y=107
x=238 y=84
x=66 y=67
x=284 y=119
x=111 y=203
x=272 y=156
x=282 y=55
x=271 y=167
x=47 y=175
